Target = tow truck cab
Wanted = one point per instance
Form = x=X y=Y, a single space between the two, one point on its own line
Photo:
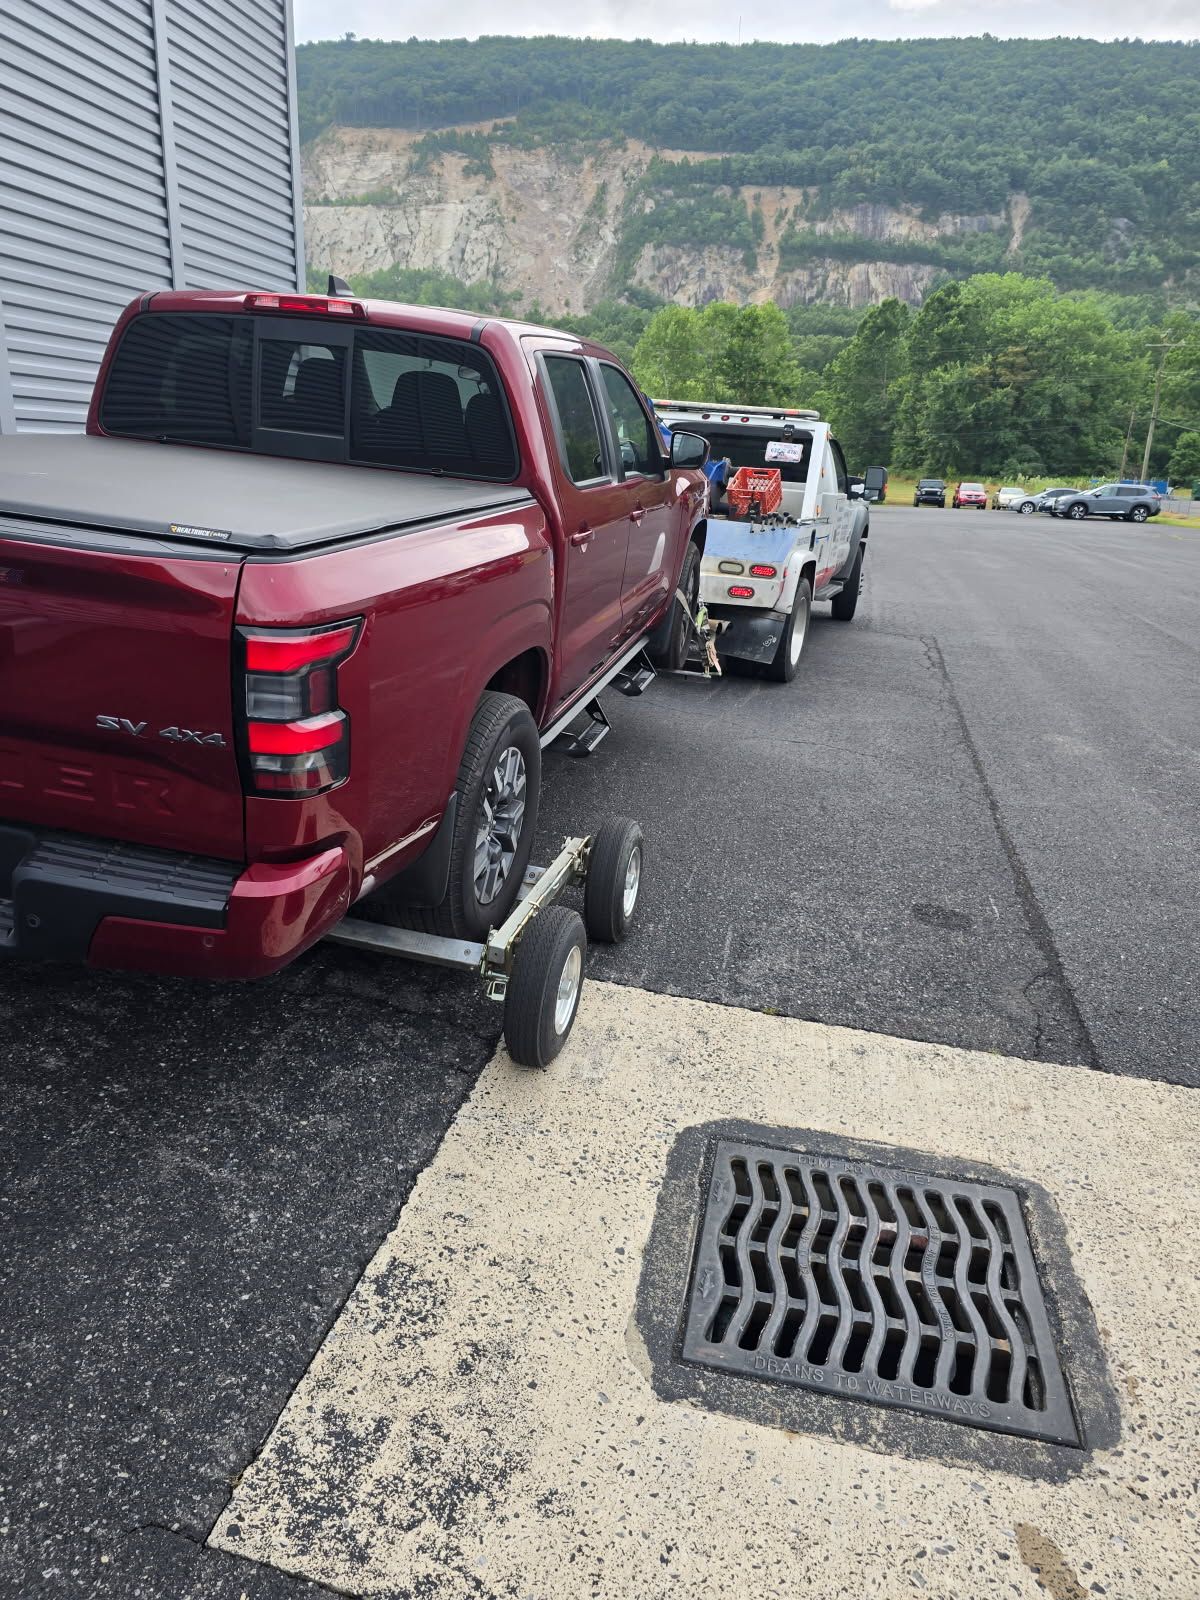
x=754 y=570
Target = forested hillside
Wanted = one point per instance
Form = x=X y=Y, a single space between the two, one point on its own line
x=1072 y=159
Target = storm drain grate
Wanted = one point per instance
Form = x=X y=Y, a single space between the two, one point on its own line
x=873 y=1283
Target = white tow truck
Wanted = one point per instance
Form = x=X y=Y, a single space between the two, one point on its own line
x=763 y=569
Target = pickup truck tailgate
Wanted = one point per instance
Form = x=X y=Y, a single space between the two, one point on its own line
x=116 y=704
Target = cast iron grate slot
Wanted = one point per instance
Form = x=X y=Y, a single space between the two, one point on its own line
x=871 y=1283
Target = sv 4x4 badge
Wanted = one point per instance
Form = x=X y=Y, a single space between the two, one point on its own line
x=175 y=735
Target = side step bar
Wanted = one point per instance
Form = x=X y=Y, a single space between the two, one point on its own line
x=631 y=673
x=595 y=730
x=828 y=592
x=636 y=678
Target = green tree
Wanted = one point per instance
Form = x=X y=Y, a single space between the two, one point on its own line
x=668 y=359
x=862 y=384
x=1185 y=460
x=1006 y=376
x=756 y=365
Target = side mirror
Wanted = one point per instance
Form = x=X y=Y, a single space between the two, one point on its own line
x=875 y=479
x=856 y=489
x=688 y=450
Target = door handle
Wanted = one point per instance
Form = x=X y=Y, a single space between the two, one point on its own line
x=637 y=513
x=582 y=538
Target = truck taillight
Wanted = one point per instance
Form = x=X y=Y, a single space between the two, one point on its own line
x=295 y=736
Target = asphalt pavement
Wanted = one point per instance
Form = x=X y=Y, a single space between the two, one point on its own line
x=972 y=819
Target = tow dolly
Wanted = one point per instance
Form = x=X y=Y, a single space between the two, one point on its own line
x=533 y=962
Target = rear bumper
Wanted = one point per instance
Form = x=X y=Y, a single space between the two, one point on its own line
x=68 y=897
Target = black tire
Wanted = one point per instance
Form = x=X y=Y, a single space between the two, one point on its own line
x=846 y=603
x=534 y=1031
x=1027 y=508
x=783 y=664
x=1138 y=514
x=667 y=646
x=501 y=722
x=1077 y=511
x=610 y=897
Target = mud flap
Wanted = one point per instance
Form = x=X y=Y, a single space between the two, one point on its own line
x=753 y=636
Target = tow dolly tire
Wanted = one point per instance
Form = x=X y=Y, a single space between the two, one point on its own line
x=667 y=646
x=543 y=992
x=614 y=880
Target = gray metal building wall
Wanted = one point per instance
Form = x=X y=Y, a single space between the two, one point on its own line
x=144 y=144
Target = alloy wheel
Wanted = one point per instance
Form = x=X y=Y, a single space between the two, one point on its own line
x=501 y=814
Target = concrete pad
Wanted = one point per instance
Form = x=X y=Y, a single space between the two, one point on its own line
x=481 y=1422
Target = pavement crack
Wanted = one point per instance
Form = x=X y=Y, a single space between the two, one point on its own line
x=1054 y=973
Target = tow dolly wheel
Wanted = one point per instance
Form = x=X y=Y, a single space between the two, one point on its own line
x=543 y=992
x=614 y=880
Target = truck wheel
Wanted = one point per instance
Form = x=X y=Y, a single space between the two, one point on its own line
x=667 y=646
x=614 y=879
x=543 y=992
x=782 y=667
x=846 y=603
x=499 y=778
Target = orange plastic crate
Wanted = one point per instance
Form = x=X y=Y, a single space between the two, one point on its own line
x=755 y=489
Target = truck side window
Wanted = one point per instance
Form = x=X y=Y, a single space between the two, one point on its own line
x=839 y=466
x=637 y=438
x=578 y=428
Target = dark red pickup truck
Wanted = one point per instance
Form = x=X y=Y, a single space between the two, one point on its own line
x=287 y=628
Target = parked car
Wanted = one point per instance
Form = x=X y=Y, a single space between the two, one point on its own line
x=930 y=492
x=970 y=495
x=1042 y=501
x=289 y=625
x=1007 y=499
x=1128 y=502
x=764 y=566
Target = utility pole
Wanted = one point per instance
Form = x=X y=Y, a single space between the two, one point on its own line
x=1162 y=361
x=1128 y=437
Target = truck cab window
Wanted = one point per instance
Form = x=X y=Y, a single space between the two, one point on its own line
x=637 y=438
x=578 y=428
x=428 y=404
x=182 y=377
x=302 y=386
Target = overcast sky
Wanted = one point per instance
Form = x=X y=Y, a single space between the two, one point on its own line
x=718 y=19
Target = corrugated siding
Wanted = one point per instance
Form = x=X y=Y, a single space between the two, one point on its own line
x=229 y=82
x=83 y=215
x=109 y=188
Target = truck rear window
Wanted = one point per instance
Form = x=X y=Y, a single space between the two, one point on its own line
x=750 y=450
x=380 y=396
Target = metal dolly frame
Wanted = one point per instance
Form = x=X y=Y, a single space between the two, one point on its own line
x=533 y=961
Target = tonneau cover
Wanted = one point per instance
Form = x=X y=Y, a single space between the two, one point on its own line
x=224 y=498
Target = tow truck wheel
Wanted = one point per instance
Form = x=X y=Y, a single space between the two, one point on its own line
x=543 y=992
x=846 y=603
x=614 y=880
x=667 y=646
x=790 y=648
